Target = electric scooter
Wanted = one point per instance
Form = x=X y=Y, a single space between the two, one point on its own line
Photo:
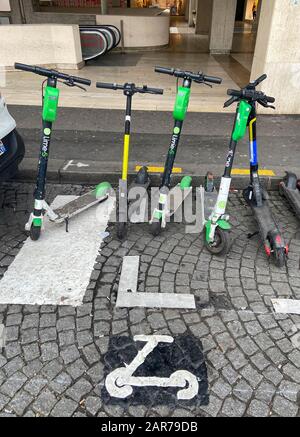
x=12 y=149
x=254 y=195
x=160 y=214
x=290 y=189
x=50 y=105
x=142 y=179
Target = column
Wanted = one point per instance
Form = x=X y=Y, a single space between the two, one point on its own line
x=277 y=53
x=222 y=26
x=104 y=7
x=204 y=15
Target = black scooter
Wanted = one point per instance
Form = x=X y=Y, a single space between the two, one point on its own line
x=142 y=179
x=12 y=149
x=290 y=189
x=255 y=195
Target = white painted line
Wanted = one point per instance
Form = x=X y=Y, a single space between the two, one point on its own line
x=156 y=300
x=129 y=275
x=2 y=336
x=286 y=306
x=56 y=270
x=121 y=381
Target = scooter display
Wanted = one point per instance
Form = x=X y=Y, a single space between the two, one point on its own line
x=160 y=213
x=142 y=179
x=12 y=149
x=50 y=106
x=290 y=189
x=255 y=196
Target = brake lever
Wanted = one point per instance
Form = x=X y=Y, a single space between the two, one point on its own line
x=265 y=104
x=71 y=84
x=204 y=83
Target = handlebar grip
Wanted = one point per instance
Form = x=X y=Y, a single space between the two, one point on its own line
x=261 y=79
x=213 y=79
x=164 y=70
x=229 y=102
x=25 y=67
x=81 y=80
x=234 y=93
x=107 y=86
x=155 y=91
x=270 y=99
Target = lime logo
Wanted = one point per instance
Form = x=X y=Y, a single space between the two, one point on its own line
x=222 y=205
x=176 y=131
x=47 y=131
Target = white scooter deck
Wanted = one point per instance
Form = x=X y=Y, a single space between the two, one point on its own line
x=76 y=207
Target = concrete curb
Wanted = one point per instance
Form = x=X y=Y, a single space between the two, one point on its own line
x=91 y=172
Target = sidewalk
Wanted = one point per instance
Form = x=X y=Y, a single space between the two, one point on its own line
x=57 y=358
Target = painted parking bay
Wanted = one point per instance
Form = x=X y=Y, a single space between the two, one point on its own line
x=56 y=270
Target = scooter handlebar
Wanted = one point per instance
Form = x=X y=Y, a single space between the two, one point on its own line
x=197 y=77
x=145 y=89
x=129 y=87
x=109 y=86
x=270 y=99
x=213 y=79
x=164 y=70
x=234 y=93
x=25 y=67
x=52 y=73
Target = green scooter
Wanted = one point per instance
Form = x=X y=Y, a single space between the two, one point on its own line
x=159 y=216
x=50 y=105
x=217 y=238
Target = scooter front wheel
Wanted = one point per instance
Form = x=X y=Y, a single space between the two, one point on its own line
x=35 y=233
x=222 y=242
x=121 y=230
x=279 y=257
x=155 y=228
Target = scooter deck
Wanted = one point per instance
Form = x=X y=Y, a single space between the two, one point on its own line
x=265 y=219
x=77 y=206
x=293 y=197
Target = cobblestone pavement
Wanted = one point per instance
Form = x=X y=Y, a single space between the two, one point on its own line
x=54 y=359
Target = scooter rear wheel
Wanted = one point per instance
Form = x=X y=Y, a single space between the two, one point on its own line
x=35 y=233
x=279 y=257
x=121 y=230
x=155 y=228
x=222 y=242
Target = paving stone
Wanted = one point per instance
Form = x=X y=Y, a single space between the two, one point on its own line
x=93 y=405
x=64 y=408
x=284 y=408
x=80 y=389
x=252 y=376
x=44 y=403
x=258 y=409
x=243 y=391
x=49 y=351
x=70 y=354
x=61 y=383
x=20 y=402
x=13 y=384
x=233 y=408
